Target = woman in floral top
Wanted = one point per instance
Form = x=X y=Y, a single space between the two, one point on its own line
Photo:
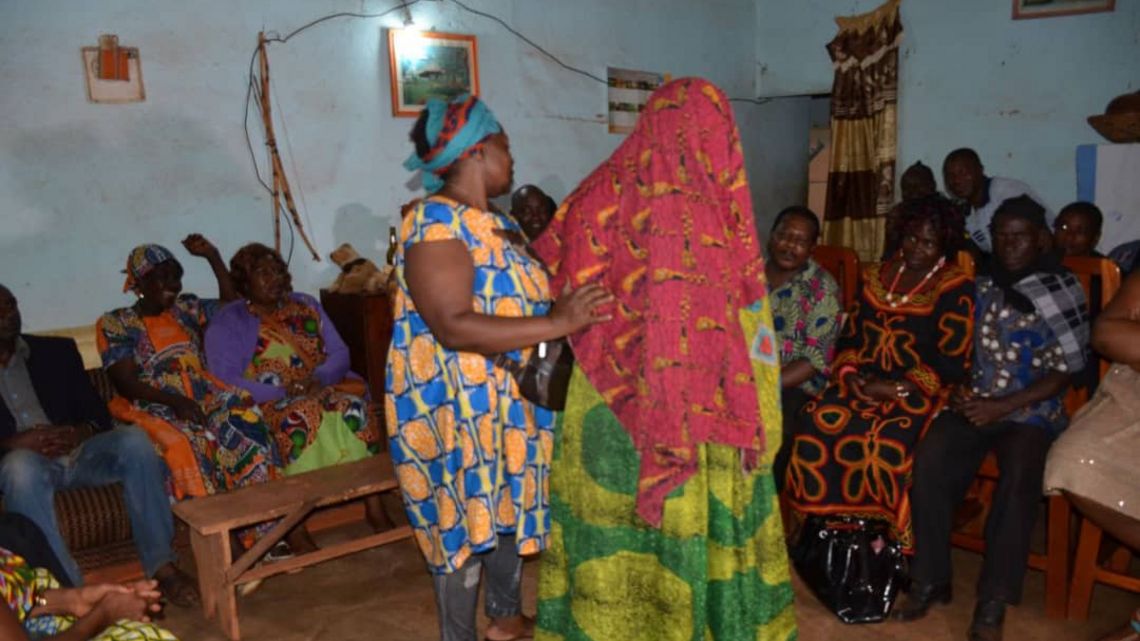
x=805 y=313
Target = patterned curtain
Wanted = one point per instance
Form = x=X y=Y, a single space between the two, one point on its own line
x=864 y=129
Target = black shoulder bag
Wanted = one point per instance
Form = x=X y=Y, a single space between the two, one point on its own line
x=545 y=377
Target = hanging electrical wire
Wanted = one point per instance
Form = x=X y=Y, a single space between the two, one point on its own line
x=255 y=96
x=530 y=42
x=257 y=91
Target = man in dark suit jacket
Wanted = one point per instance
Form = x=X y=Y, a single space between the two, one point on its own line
x=56 y=434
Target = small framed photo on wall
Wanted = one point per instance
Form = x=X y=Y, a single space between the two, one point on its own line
x=1023 y=9
x=427 y=64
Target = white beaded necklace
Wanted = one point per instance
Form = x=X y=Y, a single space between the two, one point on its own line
x=905 y=298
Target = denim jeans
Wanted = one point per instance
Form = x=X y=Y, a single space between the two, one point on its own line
x=457 y=594
x=125 y=455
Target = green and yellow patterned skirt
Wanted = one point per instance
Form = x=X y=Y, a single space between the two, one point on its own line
x=717 y=569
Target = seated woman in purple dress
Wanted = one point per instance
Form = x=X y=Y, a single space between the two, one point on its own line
x=281 y=347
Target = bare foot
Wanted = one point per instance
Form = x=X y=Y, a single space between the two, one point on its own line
x=514 y=628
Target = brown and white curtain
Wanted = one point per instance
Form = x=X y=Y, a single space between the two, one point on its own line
x=864 y=129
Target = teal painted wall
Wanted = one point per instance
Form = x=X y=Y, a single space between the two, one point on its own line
x=1018 y=91
x=80 y=183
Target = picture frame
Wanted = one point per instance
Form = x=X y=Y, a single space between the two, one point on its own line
x=627 y=94
x=113 y=73
x=430 y=64
x=1025 y=9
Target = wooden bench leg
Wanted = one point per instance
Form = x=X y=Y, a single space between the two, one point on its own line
x=1084 y=570
x=211 y=557
x=228 y=613
x=1057 y=557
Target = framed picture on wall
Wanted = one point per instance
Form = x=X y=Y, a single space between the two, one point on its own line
x=427 y=64
x=627 y=94
x=1046 y=8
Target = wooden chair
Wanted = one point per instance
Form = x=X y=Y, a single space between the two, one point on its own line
x=1100 y=279
x=843 y=264
x=1100 y=276
x=1088 y=570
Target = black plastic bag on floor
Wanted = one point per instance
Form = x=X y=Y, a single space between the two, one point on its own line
x=852 y=565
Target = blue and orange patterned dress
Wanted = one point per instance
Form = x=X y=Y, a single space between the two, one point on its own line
x=471 y=454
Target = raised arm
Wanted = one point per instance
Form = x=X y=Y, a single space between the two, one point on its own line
x=199 y=246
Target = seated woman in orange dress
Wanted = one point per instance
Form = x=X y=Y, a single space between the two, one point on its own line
x=212 y=436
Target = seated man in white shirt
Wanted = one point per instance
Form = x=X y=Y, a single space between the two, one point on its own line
x=964 y=178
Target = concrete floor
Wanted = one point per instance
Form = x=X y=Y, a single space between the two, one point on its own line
x=385 y=594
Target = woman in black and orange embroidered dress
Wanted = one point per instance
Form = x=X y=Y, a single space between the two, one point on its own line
x=905 y=346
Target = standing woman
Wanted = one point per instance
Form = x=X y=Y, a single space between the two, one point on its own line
x=471 y=454
x=664 y=508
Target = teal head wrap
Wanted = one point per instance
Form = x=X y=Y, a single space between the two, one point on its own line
x=454 y=131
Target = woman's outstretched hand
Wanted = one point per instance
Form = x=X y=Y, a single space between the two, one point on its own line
x=578 y=309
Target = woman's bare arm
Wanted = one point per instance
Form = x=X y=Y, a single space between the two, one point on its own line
x=440 y=278
x=1116 y=332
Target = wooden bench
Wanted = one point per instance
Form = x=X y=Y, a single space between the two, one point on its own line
x=212 y=518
